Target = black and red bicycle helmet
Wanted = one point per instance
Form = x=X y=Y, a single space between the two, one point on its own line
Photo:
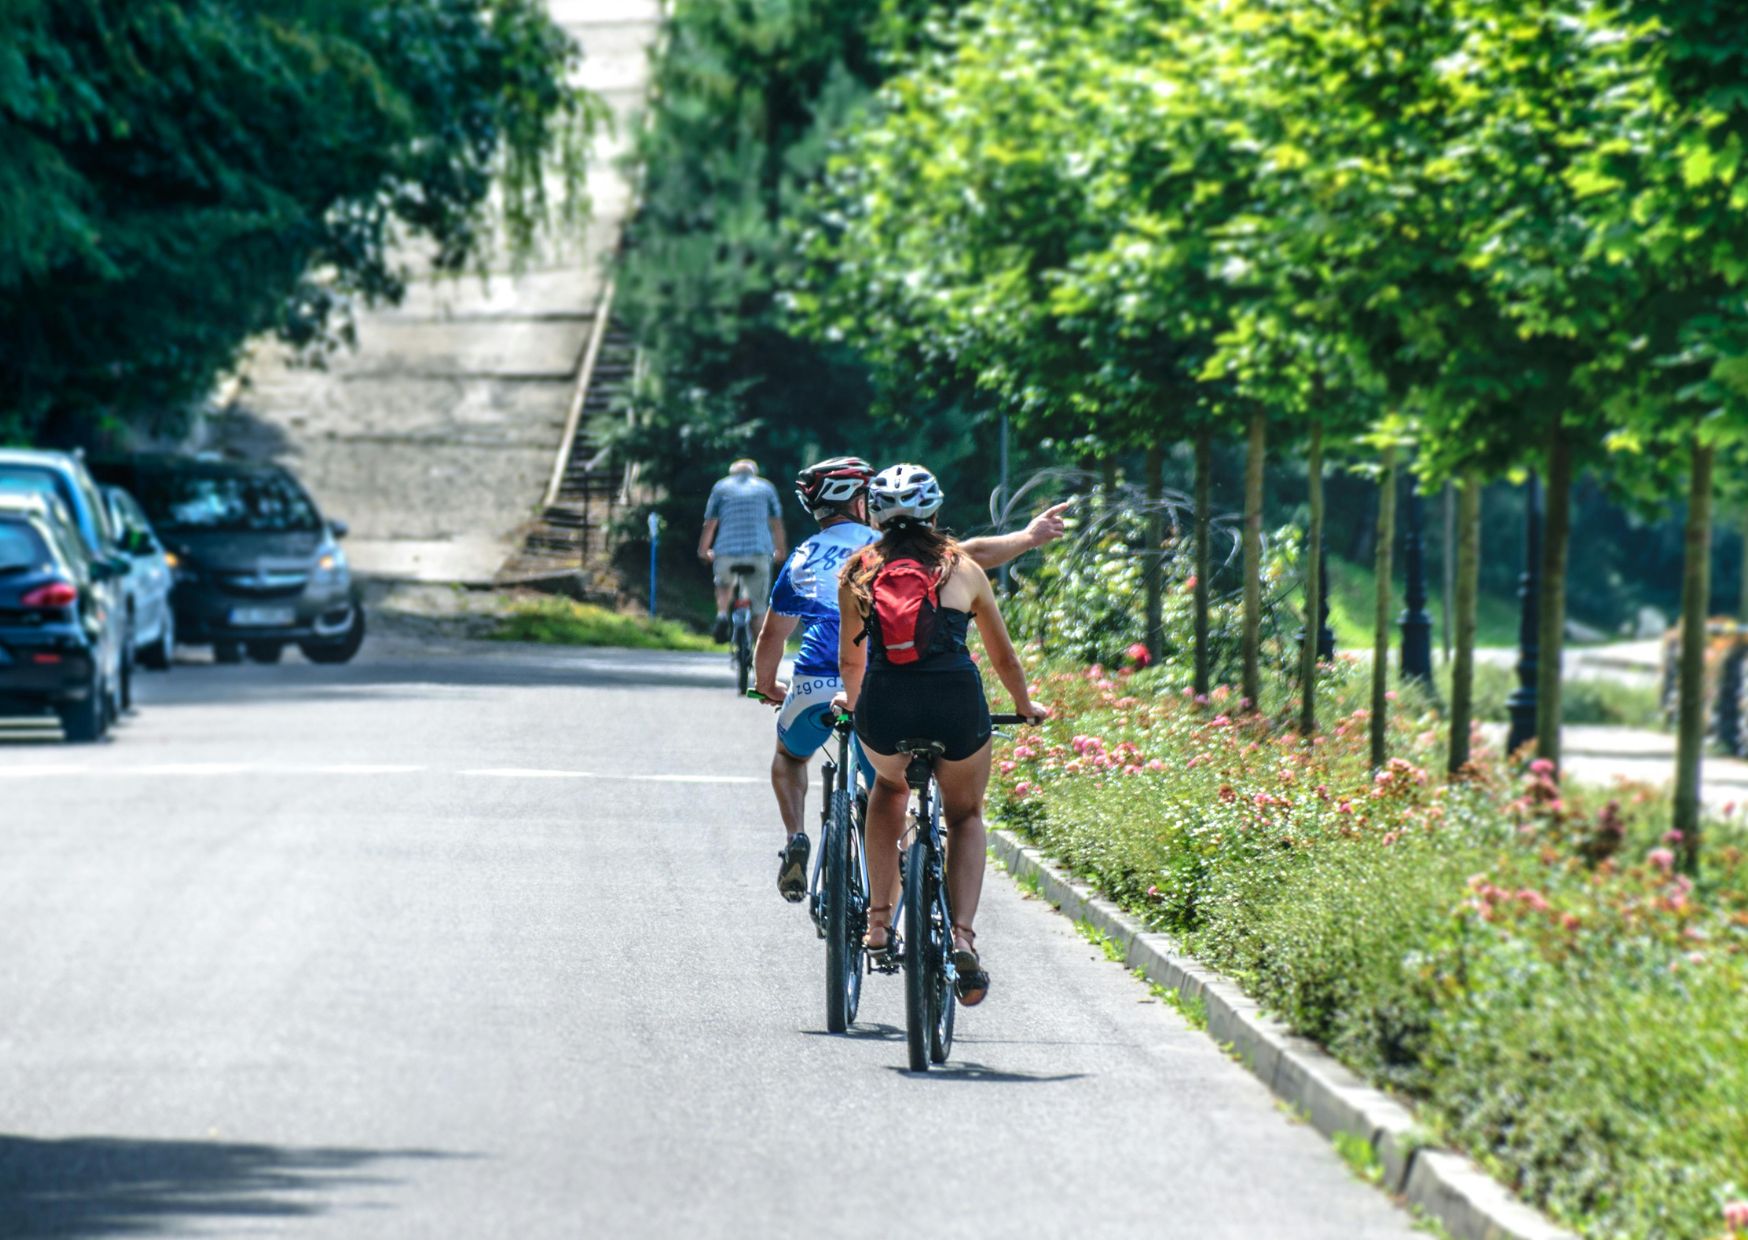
x=830 y=485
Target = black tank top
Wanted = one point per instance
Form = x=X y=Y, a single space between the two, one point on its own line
x=948 y=652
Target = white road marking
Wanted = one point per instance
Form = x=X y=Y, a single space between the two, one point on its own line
x=692 y=779
x=192 y=770
x=526 y=772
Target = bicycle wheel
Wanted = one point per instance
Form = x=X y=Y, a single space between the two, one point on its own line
x=743 y=659
x=919 y=957
x=941 y=1004
x=843 y=938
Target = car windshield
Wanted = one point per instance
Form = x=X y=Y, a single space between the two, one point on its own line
x=20 y=548
x=32 y=481
x=265 y=503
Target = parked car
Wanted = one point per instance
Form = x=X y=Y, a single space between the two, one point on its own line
x=64 y=477
x=60 y=636
x=151 y=618
x=257 y=566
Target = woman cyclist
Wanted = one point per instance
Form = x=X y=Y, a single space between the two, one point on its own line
x=934 y=693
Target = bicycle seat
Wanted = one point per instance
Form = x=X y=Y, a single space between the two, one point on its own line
x=923 y=754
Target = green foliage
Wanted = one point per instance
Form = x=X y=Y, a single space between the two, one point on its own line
x=747 y=102
x=1517 y=956
x=564 y=622
x=176 y=175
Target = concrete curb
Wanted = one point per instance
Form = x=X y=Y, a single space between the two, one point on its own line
x=1465 y=1200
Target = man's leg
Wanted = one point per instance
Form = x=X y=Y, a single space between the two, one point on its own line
x=801 y=731
x=789 y=782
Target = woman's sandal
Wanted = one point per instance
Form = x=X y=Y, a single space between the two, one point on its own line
x=884 y=957
x=971 y=983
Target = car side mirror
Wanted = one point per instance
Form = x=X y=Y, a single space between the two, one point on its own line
x=108 y=568
x=338 y=528
x=137 y=542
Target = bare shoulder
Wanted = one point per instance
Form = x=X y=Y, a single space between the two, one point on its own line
x=972 y=570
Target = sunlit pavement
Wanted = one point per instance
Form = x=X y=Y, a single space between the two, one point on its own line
x=482 y=940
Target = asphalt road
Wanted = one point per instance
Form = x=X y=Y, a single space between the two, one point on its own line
x=483 y=941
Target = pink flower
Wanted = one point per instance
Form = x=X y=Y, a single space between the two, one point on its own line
x=1007 y=768
x=1022 y=791
x=1221 y=721
x=1131 y=769
x=1025 y=752
x=1154 y=764
x=1074 y=767
x=1696 y=957
x=1672 y=837
x=1570 y=921
x=1736 y=1215
x=1138 y=654
x=1730 y=808
x=1533 y=899
x=1541 y=766
x=1662 y=858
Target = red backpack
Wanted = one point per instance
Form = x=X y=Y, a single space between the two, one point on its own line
x=906 y=609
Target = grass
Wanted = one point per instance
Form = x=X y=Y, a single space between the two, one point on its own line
x=1352 y=601
x=1361 y=1159
x=556 y=621
x=1194 y=1009
x=1112 y=949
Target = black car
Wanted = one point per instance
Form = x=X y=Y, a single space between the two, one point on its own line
x=257 y=566
x=60 y=637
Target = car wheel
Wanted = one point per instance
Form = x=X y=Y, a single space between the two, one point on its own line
x=86 y=720
x=161 y=653
x=264 y=652
x=227 y=652
x=124 y=696
x=337 y=649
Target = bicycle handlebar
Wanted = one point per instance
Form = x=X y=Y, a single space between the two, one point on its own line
x=1029 y=720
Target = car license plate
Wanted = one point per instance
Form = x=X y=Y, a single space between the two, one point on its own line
x=263 y=617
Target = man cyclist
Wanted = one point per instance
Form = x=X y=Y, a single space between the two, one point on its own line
x=835 y=493
x=743 y=524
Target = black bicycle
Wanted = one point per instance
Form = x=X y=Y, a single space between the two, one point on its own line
x=839 y=895
x=740 y=652
x=926 y=913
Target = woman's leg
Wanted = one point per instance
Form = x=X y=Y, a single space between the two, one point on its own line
x=887 y=801
x=962 y=787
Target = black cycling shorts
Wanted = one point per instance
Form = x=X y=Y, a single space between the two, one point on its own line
x=944 y=706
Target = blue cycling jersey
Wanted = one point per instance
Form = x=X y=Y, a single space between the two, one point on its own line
x=808 y=588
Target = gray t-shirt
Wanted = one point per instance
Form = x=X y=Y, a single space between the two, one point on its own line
x=743 y=505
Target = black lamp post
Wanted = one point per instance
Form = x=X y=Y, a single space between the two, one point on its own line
x=1416 y=624
x=1523 y=699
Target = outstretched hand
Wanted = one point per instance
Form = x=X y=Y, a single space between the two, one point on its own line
x=1048 y=525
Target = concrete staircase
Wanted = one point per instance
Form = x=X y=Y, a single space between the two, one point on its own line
x=436 y=438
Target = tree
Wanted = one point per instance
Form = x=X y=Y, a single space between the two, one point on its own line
x=178 y=175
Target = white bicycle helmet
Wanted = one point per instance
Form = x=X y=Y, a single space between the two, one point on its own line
x=903 y=493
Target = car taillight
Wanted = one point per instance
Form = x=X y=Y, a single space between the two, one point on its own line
x=55 y=594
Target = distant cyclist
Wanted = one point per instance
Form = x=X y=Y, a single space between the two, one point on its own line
x=743 y=524
x=915 y=594
x=835 y=493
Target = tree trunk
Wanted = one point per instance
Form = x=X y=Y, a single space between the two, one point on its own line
x=1154 y=565
x=1742 y=601
x=1381 y=608
x=1556 y=538
x=1466 y=589
x=1204 y=553
x=1255 y=458
x=1696 y=589
x=1313 y=588
x=1448 y=567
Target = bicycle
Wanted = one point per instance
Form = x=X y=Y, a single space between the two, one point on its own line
x=838 y=899
x=740 y=649
x=926 y=945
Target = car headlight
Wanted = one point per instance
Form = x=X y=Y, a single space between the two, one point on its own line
x=331 y=567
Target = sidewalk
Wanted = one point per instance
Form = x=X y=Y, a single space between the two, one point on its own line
x=1600 y=756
